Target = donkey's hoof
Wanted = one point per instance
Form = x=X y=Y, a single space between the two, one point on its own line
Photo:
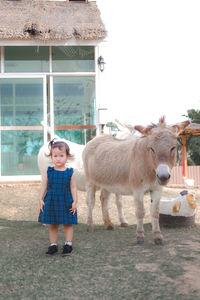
x=90 y=229
x=110 y=227
x=158 y=241
x=140 y=240
x=124 y=224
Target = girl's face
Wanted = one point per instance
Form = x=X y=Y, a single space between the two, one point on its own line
x=59 y=157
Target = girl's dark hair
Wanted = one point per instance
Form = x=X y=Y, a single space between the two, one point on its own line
x=59 y=144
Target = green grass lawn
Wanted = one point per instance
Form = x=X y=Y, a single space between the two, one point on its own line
x=104 y=264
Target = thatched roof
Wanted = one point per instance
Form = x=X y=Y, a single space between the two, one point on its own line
x=191 y=129
x=50 y=21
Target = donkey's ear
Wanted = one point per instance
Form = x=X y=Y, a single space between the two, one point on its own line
x=162 y=122
x=143 y=130
x=178 y=128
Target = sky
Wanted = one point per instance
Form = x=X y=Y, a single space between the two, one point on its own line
x=152 y=55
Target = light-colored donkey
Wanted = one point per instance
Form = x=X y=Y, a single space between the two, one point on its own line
x=44 y=161
x=133 y=167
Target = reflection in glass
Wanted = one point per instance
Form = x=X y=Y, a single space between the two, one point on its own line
x=21 y=102
x=73 y=59
x=74 y=104
x=79 y=136
x=19 y=151
x=26 y=59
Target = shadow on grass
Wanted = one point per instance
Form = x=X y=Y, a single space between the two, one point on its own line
x=104 y=264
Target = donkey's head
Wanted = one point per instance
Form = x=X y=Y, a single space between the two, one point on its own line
x=162 y=147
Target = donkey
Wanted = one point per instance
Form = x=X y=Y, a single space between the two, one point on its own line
x=133 y=167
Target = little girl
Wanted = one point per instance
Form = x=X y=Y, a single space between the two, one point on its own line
x=58 y=198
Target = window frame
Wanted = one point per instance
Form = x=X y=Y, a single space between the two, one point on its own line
x=29 y=76
x=47 y=76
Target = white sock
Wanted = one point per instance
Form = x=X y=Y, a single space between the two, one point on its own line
x=54 y=244
x=68 y=243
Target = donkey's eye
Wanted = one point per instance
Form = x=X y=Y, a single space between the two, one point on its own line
x=152 y=150
x=172 y=149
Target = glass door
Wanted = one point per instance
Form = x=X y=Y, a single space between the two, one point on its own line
x=22 y=109
x=72 y=107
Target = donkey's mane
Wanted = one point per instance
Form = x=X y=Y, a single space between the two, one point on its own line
x=161 y=123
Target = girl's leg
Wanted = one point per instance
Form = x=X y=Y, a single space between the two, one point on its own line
x=53 y=233
x=69 y=231
x=67 y=248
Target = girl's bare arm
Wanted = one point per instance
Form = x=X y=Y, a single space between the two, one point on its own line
x=74 y=194
x=42 y=193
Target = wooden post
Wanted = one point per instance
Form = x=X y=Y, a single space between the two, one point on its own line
x=184 y=155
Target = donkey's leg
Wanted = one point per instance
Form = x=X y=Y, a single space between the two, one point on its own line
x=90 y=203
x=118 y=200
x=154 y=210
x=104 y=197
x=140 y=213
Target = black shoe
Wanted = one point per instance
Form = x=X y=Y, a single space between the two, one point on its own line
x=52 y=250
x=67 y=249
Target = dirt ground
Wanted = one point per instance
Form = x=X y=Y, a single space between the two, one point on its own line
x=20 y=202
x=176 y=265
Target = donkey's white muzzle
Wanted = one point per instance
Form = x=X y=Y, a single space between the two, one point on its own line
x=163 y=174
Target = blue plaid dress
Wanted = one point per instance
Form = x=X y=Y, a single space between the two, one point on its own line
x=58 y=199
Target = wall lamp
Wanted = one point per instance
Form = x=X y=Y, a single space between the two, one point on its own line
x=101 y=63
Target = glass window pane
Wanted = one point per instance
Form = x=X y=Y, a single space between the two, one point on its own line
x=74 y=104
x=19 y=151
x=73 y=59
x=21 y=104
x=21 y=101
x=79 y=136
x=26 y=59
